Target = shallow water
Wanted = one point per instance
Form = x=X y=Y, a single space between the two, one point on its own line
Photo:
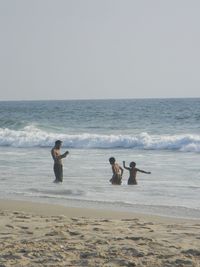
x=162 y=136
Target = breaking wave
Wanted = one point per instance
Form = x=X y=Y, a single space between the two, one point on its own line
x=31 y=136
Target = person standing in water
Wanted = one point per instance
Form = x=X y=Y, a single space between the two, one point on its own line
x=133 y=172
x=57 y=157
x=117 y=172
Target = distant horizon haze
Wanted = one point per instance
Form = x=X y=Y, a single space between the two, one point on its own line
x=99 y=49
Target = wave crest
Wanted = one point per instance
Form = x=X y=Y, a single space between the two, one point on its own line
x=31 y=136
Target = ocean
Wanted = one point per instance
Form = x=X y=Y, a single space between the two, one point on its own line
x=161 y=135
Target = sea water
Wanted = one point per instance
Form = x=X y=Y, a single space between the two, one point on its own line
x=161 y=135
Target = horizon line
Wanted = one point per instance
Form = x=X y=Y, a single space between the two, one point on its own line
x=96 y=99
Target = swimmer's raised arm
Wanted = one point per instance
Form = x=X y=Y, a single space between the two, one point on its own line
x=124 y=165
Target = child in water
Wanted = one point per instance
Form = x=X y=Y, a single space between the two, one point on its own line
x=133 y=171
x=117 y=172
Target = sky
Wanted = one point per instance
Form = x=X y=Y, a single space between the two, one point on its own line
x=99 y=49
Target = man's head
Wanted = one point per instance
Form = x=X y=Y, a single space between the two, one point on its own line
x=58 y=143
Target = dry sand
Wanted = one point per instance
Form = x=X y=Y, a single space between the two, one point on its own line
x=33 y=234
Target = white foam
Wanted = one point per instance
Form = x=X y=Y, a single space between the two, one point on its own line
x=31 y=136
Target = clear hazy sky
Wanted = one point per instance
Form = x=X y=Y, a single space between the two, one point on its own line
x=88 y=49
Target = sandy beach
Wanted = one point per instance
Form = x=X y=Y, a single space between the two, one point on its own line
x=34 y=234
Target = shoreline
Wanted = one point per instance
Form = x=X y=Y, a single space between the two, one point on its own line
x=49 y=209
x=38 y=234
x=99 y=209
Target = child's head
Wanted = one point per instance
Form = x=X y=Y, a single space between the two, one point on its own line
x=112 y=160
x=132 y=164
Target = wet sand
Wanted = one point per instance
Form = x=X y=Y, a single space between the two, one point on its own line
x=34 y=234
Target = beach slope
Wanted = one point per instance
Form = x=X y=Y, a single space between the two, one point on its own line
x=33 y=234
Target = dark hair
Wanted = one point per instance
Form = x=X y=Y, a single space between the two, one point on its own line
x=58 y=142
x=132 y=164
x=112 y=160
